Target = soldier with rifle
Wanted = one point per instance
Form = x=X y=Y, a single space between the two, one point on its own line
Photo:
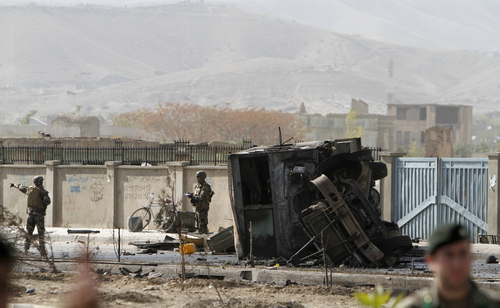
x=38 y=200
x=200 y=199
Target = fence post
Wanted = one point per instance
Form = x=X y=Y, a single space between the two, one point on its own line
x=493 y=194
x=118 y=150
x=176 y=169
x=111 y=175
x=386 y=193
x=54 y=211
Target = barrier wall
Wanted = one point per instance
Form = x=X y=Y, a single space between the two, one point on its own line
x=105 y=196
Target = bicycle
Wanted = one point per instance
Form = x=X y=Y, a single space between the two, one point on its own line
x=165 y=218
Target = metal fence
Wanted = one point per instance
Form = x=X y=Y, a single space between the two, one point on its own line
x=376 y=153
x=178 y=151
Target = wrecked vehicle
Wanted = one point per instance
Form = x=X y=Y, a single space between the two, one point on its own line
x=296 y=200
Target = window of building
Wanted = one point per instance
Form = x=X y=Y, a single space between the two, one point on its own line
x=446 y=115
x=401 y=113
x=399 y=138
x=407 y=138
x=422 y=137
x=423 y=114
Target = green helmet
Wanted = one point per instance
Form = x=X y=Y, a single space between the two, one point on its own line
x=38 y=180
x=201 y=174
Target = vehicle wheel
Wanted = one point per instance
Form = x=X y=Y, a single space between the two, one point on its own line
x=339 y=168
x=167 y=217
x=139 y=220
x=362 y=155
x=379 y=170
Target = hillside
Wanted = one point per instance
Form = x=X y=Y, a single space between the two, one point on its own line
x=112 y=60
x=436 y=24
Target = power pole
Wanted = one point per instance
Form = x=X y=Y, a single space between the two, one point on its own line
x=390 y=89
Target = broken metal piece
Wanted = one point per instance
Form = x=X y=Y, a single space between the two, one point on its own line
x=82 y=231
x=155 y=245
x=222 y=241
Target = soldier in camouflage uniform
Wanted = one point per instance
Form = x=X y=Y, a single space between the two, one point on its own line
x=448 y=255
x=200 y=199
x=38 y=200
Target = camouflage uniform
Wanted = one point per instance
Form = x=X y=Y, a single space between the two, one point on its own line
x=202 y=196
x=38 y=200
x=429 y=298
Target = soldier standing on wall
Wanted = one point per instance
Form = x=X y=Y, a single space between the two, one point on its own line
x=38 y=200
x=200 y=199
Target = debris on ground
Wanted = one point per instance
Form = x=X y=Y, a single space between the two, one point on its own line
x=491 y=259
x=82 y=231
x=223 y=241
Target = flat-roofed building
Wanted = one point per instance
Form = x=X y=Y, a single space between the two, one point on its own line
x=411 y=121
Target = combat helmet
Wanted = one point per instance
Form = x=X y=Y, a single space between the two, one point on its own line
x=38 y=180
x=201 y=174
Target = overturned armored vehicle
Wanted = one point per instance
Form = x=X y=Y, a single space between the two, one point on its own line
x=295 y=200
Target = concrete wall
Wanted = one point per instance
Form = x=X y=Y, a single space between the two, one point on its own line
x=105 y=196
x=31 y=131
x=493 y=194
x=76 y=142
x=439 y=142
x=359 y=106
x=12 y=198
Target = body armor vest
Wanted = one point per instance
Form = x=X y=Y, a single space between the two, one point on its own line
x=35 y=198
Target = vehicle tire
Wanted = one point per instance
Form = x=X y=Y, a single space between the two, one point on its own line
x=379 y=170
x=362 y=155
x=339 y=166
x=139 y=220
x=168 y=217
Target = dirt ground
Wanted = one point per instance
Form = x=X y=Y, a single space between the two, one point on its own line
x=118 y=290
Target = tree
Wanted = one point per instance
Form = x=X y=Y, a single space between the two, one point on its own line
x=182 y=121
x=26 y=119
x=463 y=149
x=76 y=112
x=352 y=130
x=483 y=147
x=415 y=150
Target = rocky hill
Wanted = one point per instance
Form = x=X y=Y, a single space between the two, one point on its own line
x=111 y=60
x=438 y=24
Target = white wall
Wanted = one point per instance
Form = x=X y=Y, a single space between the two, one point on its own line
x=104 y=196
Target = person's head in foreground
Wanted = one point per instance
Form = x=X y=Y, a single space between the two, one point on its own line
x=6 y=260
x=449 y=257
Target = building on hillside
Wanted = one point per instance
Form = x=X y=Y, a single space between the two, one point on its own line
x=411 y=122
x=378 y=129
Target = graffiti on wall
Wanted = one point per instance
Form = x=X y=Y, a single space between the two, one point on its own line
x=143 y=178
x=25 y=180
x=138 y=187
x=133 y=192
x=97 y=190
x=90 y=183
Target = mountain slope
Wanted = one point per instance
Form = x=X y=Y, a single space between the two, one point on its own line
x=112 y=60
x=439 y=24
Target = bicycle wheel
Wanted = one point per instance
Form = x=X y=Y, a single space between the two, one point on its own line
x=168 y=217
x=139 y=219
